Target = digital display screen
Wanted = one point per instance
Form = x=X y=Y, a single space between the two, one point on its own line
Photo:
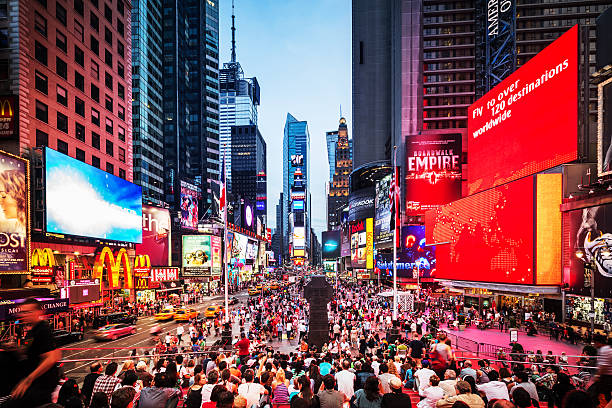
x=298 y=205
x=490 y=235
x=511 y=130
x=330 y=244
x=299 y=237
x=155 y=233
x=190 y=195
x=85 y=201
x=197 y=252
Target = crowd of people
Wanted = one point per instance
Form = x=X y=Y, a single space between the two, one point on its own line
x=370 y=361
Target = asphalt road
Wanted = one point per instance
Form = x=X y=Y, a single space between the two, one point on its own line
x=94 y=350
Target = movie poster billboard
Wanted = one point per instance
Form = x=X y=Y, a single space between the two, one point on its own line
x=14 y=217
x=383 y=234
x=590 y=234
x=330 y=243
x=237 y=245
x=190 y=196
x=433 y=171
x=196 y=253
x=155 y=234
x=604 y=128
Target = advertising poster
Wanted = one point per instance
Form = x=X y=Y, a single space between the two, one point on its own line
x=490 y=235
x=330 y=244
x=215 y=245
x=604 y=128
x=369 y=243
x=251 y=249
x=190 y=195
x=382 y=220
x=85 y=201
x=197 y=252
x=8 y=117
x=412 y=257
x=345 y=235
x=299 y=237
x=361 y=204
x=237 y=245
x=358 y=244
x=433 y=171
x=155 y=233
x=248 y=217
x=590 y=232
x=14 y=217
x=510 y=134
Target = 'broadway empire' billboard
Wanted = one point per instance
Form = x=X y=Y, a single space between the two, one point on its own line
x=433 y=171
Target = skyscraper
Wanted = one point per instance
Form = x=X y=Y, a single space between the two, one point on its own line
x=249 y=154
x=339 y=186
x=331 y=138
x=296 y=155
x=147 y=98
x=239 y=97
x=191 y=97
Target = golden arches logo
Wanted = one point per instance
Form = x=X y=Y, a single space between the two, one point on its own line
x=142 y=261
x=6 y=103
x=43 y=257
x=113 y=264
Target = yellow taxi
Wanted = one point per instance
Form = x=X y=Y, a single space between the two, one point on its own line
x=213 y=311
x=165 y=314
x=184 y=315
x=274 y=286
x=258 y=287
x=254 y=292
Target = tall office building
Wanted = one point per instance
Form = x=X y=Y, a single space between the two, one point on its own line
x=339 y=187
x=249 y=157
x=239 y=98
x=278 y=239
x=191 y=98
x=296 y=155
x=331 y=138
x=65 y=74
x=147 y=98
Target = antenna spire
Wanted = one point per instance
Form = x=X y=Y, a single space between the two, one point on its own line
x=233 y=34
x=340 y=110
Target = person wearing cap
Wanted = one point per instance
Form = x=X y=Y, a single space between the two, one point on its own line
x=464 y=394
x=396 y=398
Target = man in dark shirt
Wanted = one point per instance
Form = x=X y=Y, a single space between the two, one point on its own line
x=90 y=380
x=40 y=375
x=396 y=398
x=416 y=348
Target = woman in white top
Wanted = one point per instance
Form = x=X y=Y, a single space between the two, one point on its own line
x=432 y=393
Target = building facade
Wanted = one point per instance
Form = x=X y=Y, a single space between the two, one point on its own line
x=66 y=67
x=339 y=186
x=249 y=157
x=147 y=98
x=296 y=156
x=331 y=138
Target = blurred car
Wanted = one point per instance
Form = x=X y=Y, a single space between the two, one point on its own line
x=114 y=331
x=164 y=314
x=233 y=300
x=258 y=287
x=114 y=317
x=184 y=315
x=213 y=311
x=63 y=337
x=274 y=286
x=254 y=292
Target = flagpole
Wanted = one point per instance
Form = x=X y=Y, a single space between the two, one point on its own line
x=395 y=184
x=224 y=193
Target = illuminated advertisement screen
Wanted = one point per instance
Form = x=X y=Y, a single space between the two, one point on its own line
x=330 y=244
x=297 y=160
x=382 y=209
x=14 y=217
x=251 y=249
x=215 y=246
x=197 y=252
x=433 y=171
x=190 y=195
x=358 y=244
x=298 y=205
x=237 y=244
x=413 y=256
x=85 y=201
x=155 y=232
x=604 y=128
x=589 y=232
x=511 y=130
x=299 y=237
x=490 y=235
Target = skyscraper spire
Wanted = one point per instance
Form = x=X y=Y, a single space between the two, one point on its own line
x=233 y=34
x=340 y=110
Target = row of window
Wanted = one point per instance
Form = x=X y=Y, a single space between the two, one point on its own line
x=42 y=139
x=42 y=114
x=79 y=7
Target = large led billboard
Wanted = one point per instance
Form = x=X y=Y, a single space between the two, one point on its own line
x=529 y=122
x=85 y=201
x=383 y=234
x=433 y=171
x=413 y=256
x=330 y=244
x=197 y=253
x=299 y=237
x=155 y=235
x=14 y=217
x=604 y=128
x=494 y=235
x=190 y=195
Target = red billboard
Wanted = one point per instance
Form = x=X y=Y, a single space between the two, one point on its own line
x=490 y=235
x=155 y=233
x=433 y=171
x=529 y=122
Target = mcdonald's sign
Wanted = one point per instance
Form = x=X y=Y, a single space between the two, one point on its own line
x=142 y=266
x=113 y=264
x=8 y=115
x=42 y=257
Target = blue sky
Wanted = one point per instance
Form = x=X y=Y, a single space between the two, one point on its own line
x=300 y=52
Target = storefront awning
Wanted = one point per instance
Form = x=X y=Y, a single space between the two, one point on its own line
x=503 y=287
